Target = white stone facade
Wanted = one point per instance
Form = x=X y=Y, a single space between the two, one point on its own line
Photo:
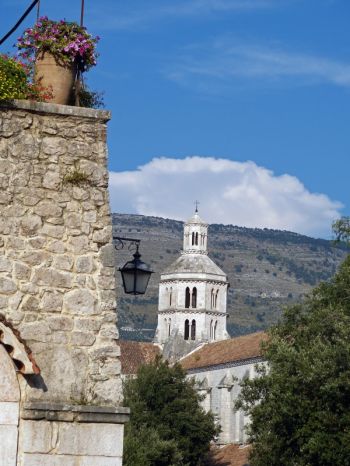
x=193 y=292
x=220 y=387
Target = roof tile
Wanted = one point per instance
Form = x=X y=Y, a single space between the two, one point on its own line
x=134 y=354
x=221 y=352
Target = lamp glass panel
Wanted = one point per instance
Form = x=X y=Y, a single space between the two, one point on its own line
x=128 y=280
x=142 y=281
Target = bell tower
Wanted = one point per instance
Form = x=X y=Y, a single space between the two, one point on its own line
x=192 y=293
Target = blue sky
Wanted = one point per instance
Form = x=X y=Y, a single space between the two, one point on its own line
x=266 y=81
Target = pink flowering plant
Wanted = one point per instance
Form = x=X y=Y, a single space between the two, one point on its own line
x=66 y=41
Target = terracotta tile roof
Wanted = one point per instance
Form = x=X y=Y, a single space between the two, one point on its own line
x=221 y=352
x=134 y=354
x=232 y=455
x=17 y=348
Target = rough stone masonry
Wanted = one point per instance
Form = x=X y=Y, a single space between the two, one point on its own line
x=57 y=283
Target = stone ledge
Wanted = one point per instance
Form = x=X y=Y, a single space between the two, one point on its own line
x=74 y=413
x=56 y=109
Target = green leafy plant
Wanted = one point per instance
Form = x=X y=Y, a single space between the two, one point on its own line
x=16 y=81
x=76 y=177
x=299 y=405
x=167 y=424
x=66 y=41
x=89 y=98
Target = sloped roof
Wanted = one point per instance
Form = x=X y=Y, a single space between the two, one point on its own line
x=194 y=264
x=225 y=351
x=134 y=354
x=17 y=348
x=232 y=455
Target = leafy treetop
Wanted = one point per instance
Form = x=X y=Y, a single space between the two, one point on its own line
x=167 y=425
x=300 y=405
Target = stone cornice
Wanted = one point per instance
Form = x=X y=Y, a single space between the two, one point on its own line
x=226 y=365
x=56 y=109
x=74 y=413
x=193 y=311
x=193 y=280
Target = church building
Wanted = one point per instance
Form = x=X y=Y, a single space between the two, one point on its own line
x=192 y=315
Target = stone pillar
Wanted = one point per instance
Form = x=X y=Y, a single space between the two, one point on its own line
x=57 y=283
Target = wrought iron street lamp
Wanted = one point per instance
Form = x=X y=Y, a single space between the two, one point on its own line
x=135 y=273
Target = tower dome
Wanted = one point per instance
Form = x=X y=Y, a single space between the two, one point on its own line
x=192 y=293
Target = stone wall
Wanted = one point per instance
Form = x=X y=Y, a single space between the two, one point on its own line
x=57 y=283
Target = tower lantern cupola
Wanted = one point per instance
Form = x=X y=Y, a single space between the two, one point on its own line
x=195 y=236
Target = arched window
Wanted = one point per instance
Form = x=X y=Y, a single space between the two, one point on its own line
x=194 y=297
x=187 y=329
x=211 y=329
x=187 y=298
x=193 y=330
x=215 y=328
x=196 y=239
x=212 y=299
x=169 y=327
x=193 y=239
x=216 y=299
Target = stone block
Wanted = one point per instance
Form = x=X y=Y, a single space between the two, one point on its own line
x=8 y=445
x=47 y=208
x=90 y=439
x=51 y=180
x=53 y=231
x=84 y=264
x=50 y=460
x=80 y=301
x=7 y=286
x=59 y=323
x=30 y=225
x=29 y=304
x=5 y=264
x=82 y=338
x=35 y=331
x=22 y=271
x=107 y=255
x=54 y=145
x=51 y=277
x=52 y=301
x=90 y=216
x=103 y=236
x=63 y=262
x=9 y=412
x=100 y=461
x=73 y=220
x=36 y=436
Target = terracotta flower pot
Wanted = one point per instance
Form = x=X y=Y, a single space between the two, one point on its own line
x=60 y=78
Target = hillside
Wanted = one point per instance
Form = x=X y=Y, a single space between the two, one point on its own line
x=267 y=269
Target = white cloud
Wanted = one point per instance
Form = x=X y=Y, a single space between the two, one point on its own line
x=238 y=193
x=226 y=60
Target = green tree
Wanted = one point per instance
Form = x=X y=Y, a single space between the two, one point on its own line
x=167 y=425
x=341 y=229
x=300 y=405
